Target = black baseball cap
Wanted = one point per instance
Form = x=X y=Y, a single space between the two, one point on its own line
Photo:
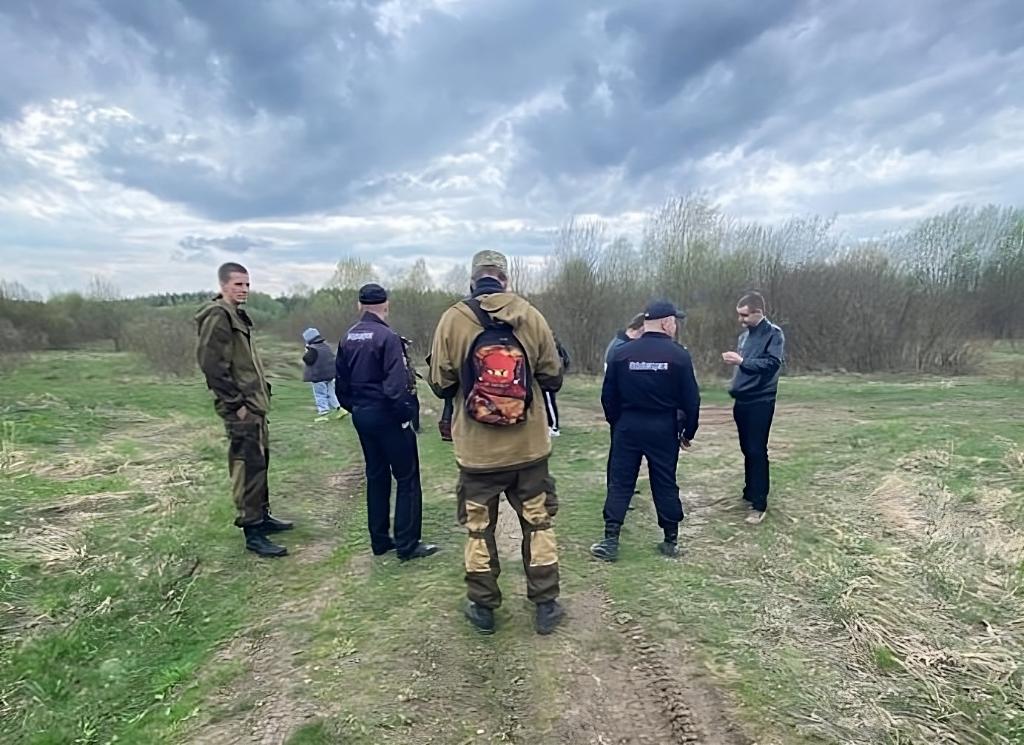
x=372 y=294
x=657 y=309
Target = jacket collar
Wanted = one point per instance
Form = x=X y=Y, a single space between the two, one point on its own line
x=235 y=310
x=487 y=286
x=655 y=334
x=369 y=317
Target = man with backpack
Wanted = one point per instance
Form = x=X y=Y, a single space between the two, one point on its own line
x=495 y=355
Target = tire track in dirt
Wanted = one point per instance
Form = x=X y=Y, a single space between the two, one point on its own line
x=625 y=688
x=619 y=685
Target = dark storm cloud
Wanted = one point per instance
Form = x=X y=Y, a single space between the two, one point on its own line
x=288 y=107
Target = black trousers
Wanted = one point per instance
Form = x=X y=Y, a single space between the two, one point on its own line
x=637 y=435
x=551 y=409
x=390 y=451
x=753 y=424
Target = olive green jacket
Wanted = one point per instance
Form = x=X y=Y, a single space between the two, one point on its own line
x=481 y=447
x=229 y=360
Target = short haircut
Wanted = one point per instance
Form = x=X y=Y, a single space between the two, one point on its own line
x=489 y=271
x=226 y=270
x=637 y=322
x=752 y=300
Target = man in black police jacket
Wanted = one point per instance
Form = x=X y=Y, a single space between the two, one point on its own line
x=373 y=384
x=651 y=399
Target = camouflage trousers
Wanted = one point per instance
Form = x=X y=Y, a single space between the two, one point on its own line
x=530 y=491
x=248 y=461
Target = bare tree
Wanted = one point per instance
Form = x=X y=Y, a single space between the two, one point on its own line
x=352 y=273
x=456 y=280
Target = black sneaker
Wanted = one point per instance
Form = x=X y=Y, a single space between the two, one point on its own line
x=549 y=614
x=421 y=551
x=669 y=549
x=606 y=549
x=481 y=618
x=257 y=542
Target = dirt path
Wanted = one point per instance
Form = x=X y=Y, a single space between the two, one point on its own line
x=273 y=696
x=623 y=687
x=618 y=685
x=602 y=679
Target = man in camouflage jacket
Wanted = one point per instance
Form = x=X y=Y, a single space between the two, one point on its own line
x=234 y=374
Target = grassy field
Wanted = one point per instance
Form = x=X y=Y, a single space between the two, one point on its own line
x=881 y=602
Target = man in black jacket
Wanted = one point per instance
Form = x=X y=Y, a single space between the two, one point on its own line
x=373 y=383
x=634 y=330
x=652 y=402
x=757 y=360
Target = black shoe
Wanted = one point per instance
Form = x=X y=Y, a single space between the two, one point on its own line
x=481 y=618
x=384 y=550
x=669 y=549
x=421 y=551
x=257 y=542
x=271 y=524
x=606 y=549
x=548 y=616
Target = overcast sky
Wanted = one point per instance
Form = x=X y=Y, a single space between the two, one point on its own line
x=147 y=141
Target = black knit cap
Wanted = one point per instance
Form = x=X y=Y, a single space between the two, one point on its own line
x=372 y=294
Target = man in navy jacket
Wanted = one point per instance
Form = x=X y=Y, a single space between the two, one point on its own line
x=373 y=384
x=652 y=402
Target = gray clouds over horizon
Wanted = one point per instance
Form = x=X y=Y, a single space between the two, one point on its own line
x=159 y=130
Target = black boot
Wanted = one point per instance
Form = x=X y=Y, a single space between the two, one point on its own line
x=669 y=549
x=257 y=542
x=272 y=525
x=607 y=549
x=549 y=613
x=481 y=618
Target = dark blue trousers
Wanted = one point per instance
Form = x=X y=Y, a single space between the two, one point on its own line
x=390 y=451
x=637 y=435
x=754 y=424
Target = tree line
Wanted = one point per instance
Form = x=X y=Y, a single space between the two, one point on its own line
x=928 y=299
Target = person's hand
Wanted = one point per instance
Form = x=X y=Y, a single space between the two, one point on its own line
x=242 y=413
x=684 y=444
x=731 y=358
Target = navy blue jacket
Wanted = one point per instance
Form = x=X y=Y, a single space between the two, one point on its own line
x=371 y=370
x=652 y=376
x=763 y=349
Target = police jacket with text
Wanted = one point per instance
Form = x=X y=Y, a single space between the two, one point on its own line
x=372 y=371
x=652 y=376
x=763 y=351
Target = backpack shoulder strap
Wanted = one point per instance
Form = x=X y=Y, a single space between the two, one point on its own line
x=481 y=315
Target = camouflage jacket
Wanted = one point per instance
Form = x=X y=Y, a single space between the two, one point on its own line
x=229 y=360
